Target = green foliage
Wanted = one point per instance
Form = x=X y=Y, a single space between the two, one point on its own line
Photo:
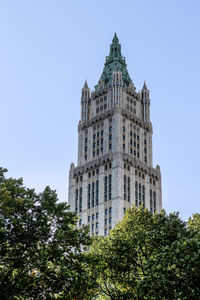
x=148 y=257
x=44 y=256
x=194 y=222
x=41 y=253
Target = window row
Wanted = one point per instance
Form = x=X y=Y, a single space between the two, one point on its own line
x=152 y=201
x=93 y=172
x=93 y=194
x=79 y=178
x=107 y=188
x=130 y=100
x=101 y=108
x=139 y=194
x=78 y=200
x=95 y=226
x=97 y=135
x=133 y=143
x=101 y=100
x=132 y=109
x=140 y=174
x=93 y=217
x=127 y=184
x=137 y=154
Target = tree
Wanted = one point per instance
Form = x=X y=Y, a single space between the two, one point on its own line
x=148 y=256
x=194 y=222
x=41 y=253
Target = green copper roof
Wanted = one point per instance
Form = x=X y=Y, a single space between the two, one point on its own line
x=114 y=61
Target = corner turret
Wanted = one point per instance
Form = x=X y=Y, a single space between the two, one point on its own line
x=85 y=102
x=145 y=102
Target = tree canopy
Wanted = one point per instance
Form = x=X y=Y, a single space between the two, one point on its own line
x=148 y=256
x=41 y=250
x=43 y=255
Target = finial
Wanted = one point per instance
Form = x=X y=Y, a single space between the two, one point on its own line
x=115 y=38
x=85 y=85
x=145 y=86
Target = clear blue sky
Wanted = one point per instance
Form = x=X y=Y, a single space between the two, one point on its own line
x=48 y=48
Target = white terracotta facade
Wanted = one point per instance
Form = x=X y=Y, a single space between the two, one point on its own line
x=115 y=167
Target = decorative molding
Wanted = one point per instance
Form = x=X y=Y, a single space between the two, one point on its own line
x=96 y=119
x=109 y=113
x=136 y=120
x=92 y=164
x=134 y=162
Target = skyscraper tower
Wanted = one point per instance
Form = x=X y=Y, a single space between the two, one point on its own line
x=115 y=168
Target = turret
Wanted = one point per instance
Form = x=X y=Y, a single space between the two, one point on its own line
x=85 y=102
x=145 y=102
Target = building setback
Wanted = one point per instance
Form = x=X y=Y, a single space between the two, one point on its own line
x=115 y=168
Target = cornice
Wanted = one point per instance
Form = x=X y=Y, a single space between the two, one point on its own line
x=134 y=162
x=100 y=92
x=142 y=166
x=96 y=119
x=130 y=116
x=93 y=164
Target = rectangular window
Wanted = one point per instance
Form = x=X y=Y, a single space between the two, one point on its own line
x=105 y=188
x=97 y=192
x=143 y=195
x=93 y=194
x=129 y=189
x=124 y=187
x=140 y=194
x=151 y=202
x=136 y=194
x=110 y=187
x=80 y=199
x=154 y=201
x=76 y=201
x=89 y=196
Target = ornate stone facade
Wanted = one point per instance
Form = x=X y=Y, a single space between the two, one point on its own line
x=115 y=168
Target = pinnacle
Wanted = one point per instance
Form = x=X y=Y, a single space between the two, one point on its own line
x=145 y=86
x=85 y=85
x=115 y=39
